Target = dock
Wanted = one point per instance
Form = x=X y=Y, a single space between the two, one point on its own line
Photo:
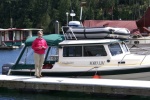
x=86 y=85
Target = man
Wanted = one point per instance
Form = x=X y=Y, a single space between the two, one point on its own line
x=39 y=46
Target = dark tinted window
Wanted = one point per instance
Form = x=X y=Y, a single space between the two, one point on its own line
x=97 y=50
x=115 y=49
x=72 y=51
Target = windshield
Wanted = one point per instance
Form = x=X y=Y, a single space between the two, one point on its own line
x=124 y=47
x=115 y=49
x=28 y=56
x=52 y=53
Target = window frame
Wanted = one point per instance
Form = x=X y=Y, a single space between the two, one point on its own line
x=115 y=51
x=83 y=50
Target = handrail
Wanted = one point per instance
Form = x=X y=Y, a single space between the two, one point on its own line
x=67 y=35
x=123 y=58
x=72 y=33
x=143 y=59
x=129 y=54
x=63 y=32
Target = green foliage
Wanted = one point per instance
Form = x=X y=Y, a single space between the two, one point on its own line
x=44 y=13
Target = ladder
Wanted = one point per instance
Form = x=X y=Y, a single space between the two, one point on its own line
x=68 y=33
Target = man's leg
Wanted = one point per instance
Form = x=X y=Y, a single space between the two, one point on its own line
x=36 y=60
x=41 y=63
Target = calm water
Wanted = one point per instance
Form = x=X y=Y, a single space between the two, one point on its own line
x=10 y=56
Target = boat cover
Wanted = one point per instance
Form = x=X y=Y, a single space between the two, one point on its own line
x=52 y=39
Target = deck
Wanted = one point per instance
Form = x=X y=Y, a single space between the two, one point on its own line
x=87 y=85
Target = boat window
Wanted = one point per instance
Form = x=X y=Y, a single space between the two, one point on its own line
x=52 y=54
x=97 y=50
x=72 y=51
x=115 y=49
x=28 y=56
x=124 y=47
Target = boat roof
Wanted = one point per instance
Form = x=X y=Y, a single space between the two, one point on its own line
x=52 y=39
x=101 y=41
x=20 y=29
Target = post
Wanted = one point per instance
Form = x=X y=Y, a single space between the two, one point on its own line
x=14 y=38
x=57 y=27
x=0 y=38
x=82 y=4
x=30 y=33
x=11 y=23
x=81 y=13
x=67 y=17
x=112 y=13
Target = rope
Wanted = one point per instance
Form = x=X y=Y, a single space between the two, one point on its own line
x=86 y=72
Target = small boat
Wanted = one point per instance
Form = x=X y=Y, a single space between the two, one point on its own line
x=95 y=32
x=108 y=58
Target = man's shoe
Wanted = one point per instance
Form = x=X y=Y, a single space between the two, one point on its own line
x=40 y=75
x=37 y=76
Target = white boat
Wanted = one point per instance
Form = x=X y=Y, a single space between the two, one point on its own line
x=109 y=58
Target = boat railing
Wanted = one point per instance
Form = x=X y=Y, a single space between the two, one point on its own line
x=68 y=35
x=129 y=54
x=144 y=57
x=120 y=62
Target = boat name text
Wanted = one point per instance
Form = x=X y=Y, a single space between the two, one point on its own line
x=97 y=62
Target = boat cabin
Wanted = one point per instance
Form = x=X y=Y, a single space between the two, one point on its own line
x=91 y=52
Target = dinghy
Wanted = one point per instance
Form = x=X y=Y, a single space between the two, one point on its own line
x=95 y=32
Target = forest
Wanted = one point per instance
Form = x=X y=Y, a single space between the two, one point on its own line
x=44 y=13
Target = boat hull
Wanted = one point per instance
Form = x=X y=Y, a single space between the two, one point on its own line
x=142 y=73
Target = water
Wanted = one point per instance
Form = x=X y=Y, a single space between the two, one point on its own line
x=10 y=56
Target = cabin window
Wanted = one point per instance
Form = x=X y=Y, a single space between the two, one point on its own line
x=97 y=50
x=72 y=51
x=27 y=57
x=124 y=47
x=115 y=49
x=52 y=54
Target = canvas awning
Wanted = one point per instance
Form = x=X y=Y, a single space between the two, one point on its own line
x=52 y=39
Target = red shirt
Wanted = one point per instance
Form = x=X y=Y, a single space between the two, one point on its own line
x=39 y=42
